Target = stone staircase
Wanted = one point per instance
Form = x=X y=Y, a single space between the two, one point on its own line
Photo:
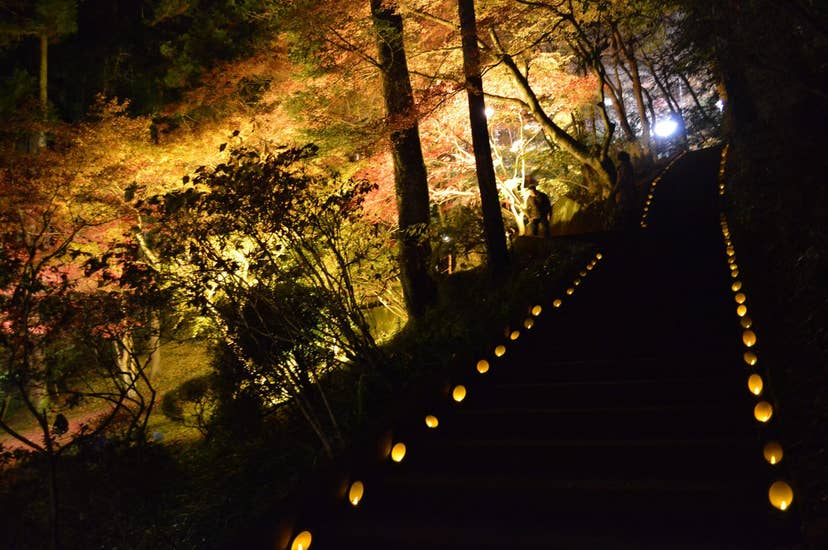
x=622 y=419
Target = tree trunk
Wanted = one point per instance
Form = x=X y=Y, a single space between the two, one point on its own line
x=492 y=218
x=627 y=49
x=44 y=91
x=154 y=344
x=558 y=135
x=617 y=92
x=409 y=168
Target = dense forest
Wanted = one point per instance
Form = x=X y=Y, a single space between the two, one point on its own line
x=229 y=227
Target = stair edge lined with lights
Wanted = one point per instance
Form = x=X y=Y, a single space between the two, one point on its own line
x=780 y=492
x=354 y=489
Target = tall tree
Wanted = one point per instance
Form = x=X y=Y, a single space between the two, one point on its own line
x=47 y=20
x=409 y=169
x=492 y=219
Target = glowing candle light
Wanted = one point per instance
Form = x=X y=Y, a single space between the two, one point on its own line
x=557 y=302
x=749 y=338
x=570 y=291
x=500 y=350
x=482 y=366
x=576 y=282
x=780 y=495
x=746 y=322
x=763 y=411
x=773 y=452
x=458 y=393
x=583 y=273
x=741 y=311
x=302 y=541
x=355 y=492
x=599 y=256
x=514 y=335
x=528 y=323
x=734 y=274
x=536 y=310
x=431 y=421
x=755 y=384
x=750 y=358
x=733 y=266
x=740 y=298
x=736 y=286
x=398 y=452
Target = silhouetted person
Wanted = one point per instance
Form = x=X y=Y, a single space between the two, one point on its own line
x=538 y=209
x=625 y=195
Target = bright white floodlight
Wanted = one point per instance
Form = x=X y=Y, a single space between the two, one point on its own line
x=665 y=127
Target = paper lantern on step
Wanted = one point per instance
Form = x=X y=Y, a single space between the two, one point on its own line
x=740 y=298
x=458 y=393
x=398 y=452
x=763 y=411
x=755 y=384
x=741 y=311
x=302 y=541
x=431 y=421
x=570 y=291
x=482 y=366
x=599 y=256
x=749 y=338
x=355 y=492
x=500 y=350
x=750 y=358
x=528 y=323
x=736 y=286
x=734 y=273
x=576 y=282
x=514 y=335
x=536 y=310
x=557 y=302
x=746 y=322
x=780 y=495
x=583 y=273
x=773 y=452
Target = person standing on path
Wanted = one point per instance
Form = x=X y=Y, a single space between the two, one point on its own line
x=625 y=194
x=538 y=208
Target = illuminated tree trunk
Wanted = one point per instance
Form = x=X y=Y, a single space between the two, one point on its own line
x=492 y=218
x=154 y=344
x=411 y=184
x=555 y=133
x=628 y=51
x=44 y=89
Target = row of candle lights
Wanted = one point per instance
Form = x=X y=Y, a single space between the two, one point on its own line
x=645 y=211
x=780 y=493
x=356 y=489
